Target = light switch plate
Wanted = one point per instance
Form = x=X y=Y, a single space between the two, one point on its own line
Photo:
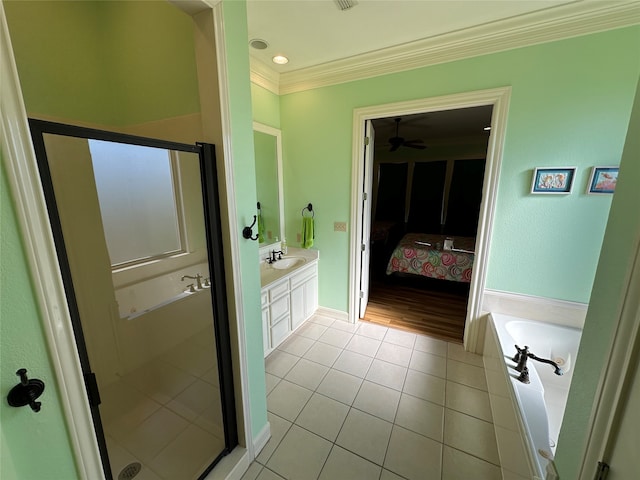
x=339 y=226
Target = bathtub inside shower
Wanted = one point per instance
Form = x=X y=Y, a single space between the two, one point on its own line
x=527 y=417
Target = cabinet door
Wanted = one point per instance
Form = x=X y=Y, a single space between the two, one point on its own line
x=310 y=297
x=298 y=304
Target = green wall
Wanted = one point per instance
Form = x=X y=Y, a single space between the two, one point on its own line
x=26 y=436
x=609 y=288
x=570 y=106
x=265 y=106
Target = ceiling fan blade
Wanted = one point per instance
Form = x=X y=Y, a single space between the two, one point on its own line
x=395 y=147
x=419 y=140
x=419 y=147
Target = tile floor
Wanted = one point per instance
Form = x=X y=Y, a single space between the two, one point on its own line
x=367 y=402
x=166 y=414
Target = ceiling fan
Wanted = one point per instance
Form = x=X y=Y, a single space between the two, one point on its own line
x=397 y=141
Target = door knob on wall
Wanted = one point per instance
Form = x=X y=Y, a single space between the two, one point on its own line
x=26 y=392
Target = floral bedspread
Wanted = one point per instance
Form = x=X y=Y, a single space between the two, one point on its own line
x=417 y=253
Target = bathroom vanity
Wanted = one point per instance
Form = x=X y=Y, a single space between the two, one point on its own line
x=289 y=295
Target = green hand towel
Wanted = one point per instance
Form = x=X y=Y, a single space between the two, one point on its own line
x=307 y=232
x=260 y=229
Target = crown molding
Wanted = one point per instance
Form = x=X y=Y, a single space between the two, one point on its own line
x=264 y=76
x=575 y=19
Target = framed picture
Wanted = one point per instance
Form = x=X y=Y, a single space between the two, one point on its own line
x=603 y=180
x=558 y=180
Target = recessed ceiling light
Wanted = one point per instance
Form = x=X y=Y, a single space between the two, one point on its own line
x=258 y=44
x=486 y=129
x=280 y=59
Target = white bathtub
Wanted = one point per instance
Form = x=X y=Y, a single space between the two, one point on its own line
x=528 y=432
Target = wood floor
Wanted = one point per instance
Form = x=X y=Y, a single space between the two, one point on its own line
x=436 y=313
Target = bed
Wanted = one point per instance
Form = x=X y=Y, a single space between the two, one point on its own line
x=417 y=254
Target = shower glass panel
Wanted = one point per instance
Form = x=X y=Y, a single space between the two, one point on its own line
x=148 y=312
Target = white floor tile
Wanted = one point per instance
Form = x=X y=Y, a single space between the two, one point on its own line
x=340 y=386
x=160 y=381
x=353 y=363
x=118 y=456
x=154 y=434
x=288 y=399
x=468 y=400
x=323 y=353
x=372 y=330
x=271 y=382
x=365 y=435
x=311 y=330
x=377 y=400
x=394 y=354
x=322 y=320
x=420 y=416
x=337 y=338
x=296 y=345
x=267 y=474
x=252 y=472
x=346 y=326
x=427 y=387
x=323 y=416
x=387 y=374
x=429 y=363
x=195 y=399
x=457 y=352
x=307 y=374
x=363 y=345
x=466 y=374
x=344 y=465
x=300 y=455
x=399 y=337
x=431 y=345
x=190 y=358
x=413 y=456
x=279 y=427
x=457 y=465
x=188 y=455
x=279 y=363
x=470 y=435
x=387 y=475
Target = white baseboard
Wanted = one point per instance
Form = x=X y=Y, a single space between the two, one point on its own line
x=335 y=314
x=231 y=467
x=261 y=439
x=542 y=309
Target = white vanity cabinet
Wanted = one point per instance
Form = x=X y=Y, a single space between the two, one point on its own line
x=287 y=303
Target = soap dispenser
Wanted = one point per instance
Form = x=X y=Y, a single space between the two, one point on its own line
x=283 y=246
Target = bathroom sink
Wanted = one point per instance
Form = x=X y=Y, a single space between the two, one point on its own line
x=287 y=263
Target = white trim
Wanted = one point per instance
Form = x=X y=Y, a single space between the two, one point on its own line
x=264 y=76
x=499 y=98
x=37 y=239
x=332 y=313
x=261 y=439
x=541 y=309
x=231 y=467
x=233 y=222
x=621 y=365
x=548 y=25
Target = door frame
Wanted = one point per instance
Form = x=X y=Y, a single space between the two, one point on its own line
x=48 y=288
x=499 y=99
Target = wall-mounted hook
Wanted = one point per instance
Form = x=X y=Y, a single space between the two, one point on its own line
x=247 y=232
x=26 y=392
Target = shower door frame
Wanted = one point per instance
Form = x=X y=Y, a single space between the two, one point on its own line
x=213 y=232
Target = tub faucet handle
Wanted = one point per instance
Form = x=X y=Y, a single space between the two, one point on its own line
x=521 y=357
x=524 y=376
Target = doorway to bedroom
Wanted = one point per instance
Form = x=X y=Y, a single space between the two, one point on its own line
x=436 y=203
x=428 y=172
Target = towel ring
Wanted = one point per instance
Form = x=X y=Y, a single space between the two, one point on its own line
x=310 y=208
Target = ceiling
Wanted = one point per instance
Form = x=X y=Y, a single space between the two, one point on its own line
x=326 y=45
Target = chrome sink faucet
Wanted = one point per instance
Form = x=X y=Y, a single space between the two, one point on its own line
x=197 y=278
x=521 y=357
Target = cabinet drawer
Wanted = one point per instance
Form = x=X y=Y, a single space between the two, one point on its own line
x=279 y=308
x=264 y=297
x=279 y=331
x=277 y=290
x=301 y=277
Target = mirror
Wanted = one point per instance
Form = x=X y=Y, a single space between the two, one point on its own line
x=267 y=143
